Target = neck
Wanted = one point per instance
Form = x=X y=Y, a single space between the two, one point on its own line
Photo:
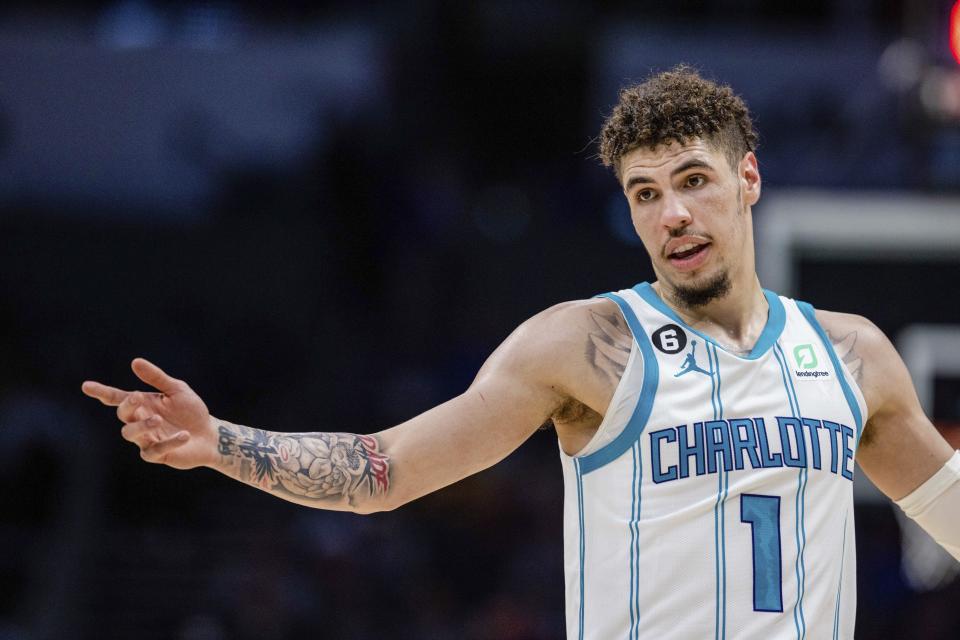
x=734 y=320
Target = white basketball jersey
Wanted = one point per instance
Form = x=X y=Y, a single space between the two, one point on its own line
x=715 y=500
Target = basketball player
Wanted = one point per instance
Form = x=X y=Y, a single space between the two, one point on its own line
x=708 y=491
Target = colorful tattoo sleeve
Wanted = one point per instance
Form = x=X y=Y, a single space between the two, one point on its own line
x=313 y=466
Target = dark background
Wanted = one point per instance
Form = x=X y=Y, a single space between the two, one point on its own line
x=324 y=217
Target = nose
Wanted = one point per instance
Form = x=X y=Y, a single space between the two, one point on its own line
x=674 y=215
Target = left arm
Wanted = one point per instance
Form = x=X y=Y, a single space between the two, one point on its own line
x=900 y=450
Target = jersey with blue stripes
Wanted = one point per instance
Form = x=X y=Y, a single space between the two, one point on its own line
x=715 y=499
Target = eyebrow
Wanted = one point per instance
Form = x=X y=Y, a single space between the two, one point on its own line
x=693 y=163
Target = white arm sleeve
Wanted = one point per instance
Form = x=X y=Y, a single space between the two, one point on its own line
x=935 y=505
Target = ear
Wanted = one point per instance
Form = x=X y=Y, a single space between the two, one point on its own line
x=749 y=175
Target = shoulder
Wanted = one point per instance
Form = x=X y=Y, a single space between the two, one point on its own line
x=578 y=349
x=576 y=324
x=838 y=321
x=852 y=333
x=868 y=354
x=573 y=313
x=575 y=316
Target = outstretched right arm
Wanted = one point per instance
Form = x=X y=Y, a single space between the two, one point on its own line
x=522 y=384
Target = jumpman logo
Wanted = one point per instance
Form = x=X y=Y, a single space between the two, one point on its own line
x=690 y=363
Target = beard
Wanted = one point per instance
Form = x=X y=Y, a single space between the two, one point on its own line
x=702 y=293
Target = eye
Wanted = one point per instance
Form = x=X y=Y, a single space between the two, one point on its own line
x=696 y=180
x=646 y=195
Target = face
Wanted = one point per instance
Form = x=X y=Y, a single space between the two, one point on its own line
x=692 y=212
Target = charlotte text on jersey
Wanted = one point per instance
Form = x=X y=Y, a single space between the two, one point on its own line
x=731 y=440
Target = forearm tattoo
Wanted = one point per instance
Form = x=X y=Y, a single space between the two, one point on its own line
x=846 y=351
x=608 y=345
x=317 y=466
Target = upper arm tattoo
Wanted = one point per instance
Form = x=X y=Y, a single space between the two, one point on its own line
x=608 y=344
x=846 y=348
x=319 y=466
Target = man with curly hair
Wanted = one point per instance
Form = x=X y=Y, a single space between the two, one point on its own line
x=709 y=492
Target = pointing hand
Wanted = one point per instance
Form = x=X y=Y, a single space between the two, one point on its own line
x=171 y=425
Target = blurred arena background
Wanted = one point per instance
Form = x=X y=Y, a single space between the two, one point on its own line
x=326 y=215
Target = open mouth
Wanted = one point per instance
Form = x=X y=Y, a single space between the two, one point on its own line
x=686 y=251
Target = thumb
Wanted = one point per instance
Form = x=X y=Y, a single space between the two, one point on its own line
x=155 y=376
x=157 y=452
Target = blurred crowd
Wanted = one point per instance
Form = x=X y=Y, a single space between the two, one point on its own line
x=325 y=217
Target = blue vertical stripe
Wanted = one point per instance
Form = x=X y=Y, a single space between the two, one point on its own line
x=792 y=391
x=635 y=552
x=810 y=314
x=803 y=548
x=801 y=544
x=719 y=508
x=723 y=502
x=716 y=509
x=800 y=531
x=785 y=374
x=633 y=557
x=843 y=554
x=716 y=364
x=798 y=605
x=713 y=381
x=716 y=556
x=576 y=465
x=634 y=602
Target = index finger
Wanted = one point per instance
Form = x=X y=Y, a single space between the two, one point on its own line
x=110 y=396
x=154 y=376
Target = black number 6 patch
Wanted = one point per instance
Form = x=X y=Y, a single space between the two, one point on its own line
x=669 y=338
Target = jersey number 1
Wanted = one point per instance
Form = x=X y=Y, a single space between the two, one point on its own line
x=763 y=515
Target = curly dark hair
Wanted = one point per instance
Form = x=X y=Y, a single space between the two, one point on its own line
x=677 y=106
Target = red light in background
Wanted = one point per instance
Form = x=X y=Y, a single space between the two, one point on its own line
x=955 y=31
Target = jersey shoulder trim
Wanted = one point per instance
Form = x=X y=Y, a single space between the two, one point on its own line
x=648 y=391
x=810 y=314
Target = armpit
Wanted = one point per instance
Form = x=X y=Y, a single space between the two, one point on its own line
x=572 y=411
